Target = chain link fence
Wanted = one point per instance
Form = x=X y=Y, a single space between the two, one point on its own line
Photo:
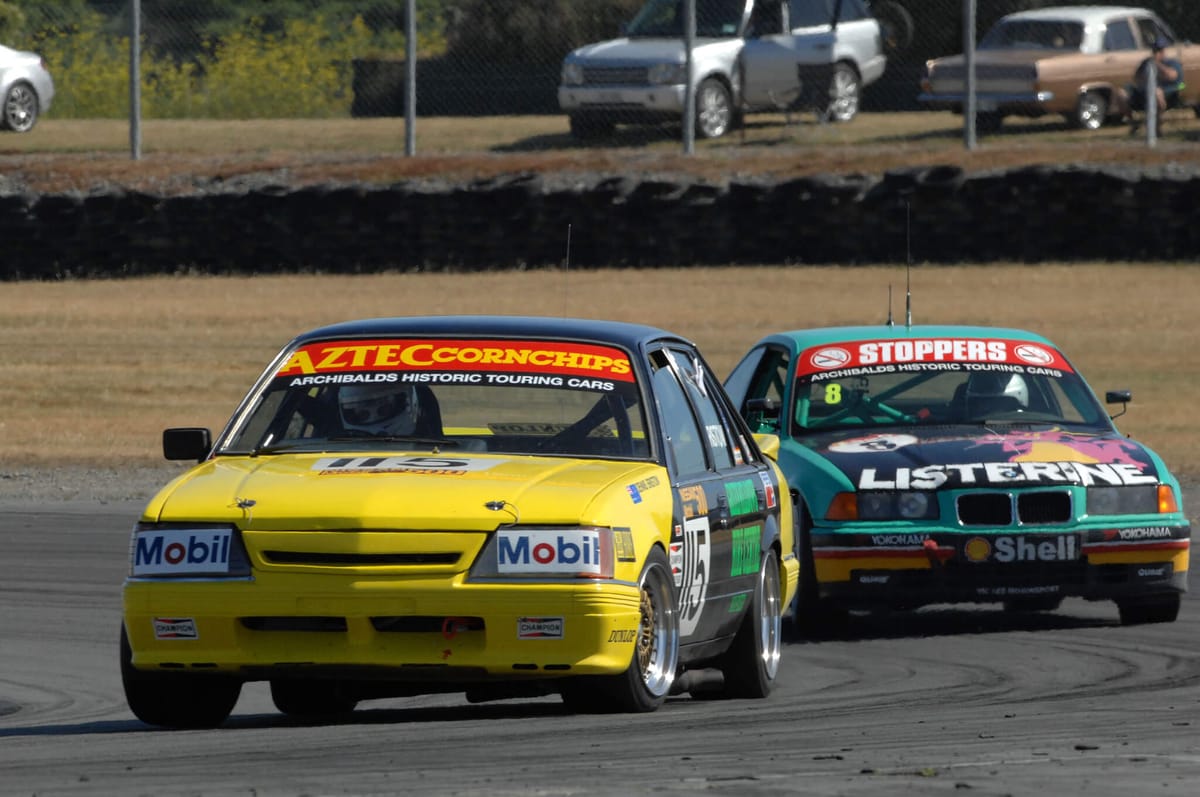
x=257 y=59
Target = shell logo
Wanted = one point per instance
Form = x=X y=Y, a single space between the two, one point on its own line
x=977 y=549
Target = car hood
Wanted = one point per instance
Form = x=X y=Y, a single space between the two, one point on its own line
x=403 y=491
x=956 y=457
x=617 y=52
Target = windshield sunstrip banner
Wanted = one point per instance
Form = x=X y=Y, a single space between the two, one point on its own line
x=922 y=354
x=484 y=361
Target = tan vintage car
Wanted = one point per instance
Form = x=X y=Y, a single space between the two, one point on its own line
x=1076 y=61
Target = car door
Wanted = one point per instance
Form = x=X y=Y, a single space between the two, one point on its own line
x=723 y=511
x=768 y=58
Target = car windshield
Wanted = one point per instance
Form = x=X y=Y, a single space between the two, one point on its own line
x=714 y=18
x=905 y=390
x=556 y=398
x=1034 y=34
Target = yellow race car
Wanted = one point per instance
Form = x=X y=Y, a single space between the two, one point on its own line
x=497 y=506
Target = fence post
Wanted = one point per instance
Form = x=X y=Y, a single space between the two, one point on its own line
x=135 y=80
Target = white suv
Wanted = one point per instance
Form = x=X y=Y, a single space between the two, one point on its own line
x=749 y=55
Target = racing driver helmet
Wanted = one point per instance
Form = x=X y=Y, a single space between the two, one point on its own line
x=996 y=392
x=379 y=409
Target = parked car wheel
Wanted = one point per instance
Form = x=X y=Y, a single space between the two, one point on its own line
x=20 y=108
x=989 y=122
x=714 y=109
x=845 y=91
x=1091 y=111
x=176 y=700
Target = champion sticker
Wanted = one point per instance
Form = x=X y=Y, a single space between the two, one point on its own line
x=539 y=628
x=175 y=628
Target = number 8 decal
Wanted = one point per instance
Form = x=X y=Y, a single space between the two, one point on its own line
x=833 y=393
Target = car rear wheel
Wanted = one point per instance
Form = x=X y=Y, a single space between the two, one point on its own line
x=298 y=697
x=645 y=684
x=714 y=109
x=895 y=24
x=20 y=108
x=1155 y=609
x=1090 y=111
x=176 y=700
x=845 y=90
x=752 y=662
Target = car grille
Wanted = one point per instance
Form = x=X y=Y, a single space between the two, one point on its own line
x=615 y=76
x=1037 y=508
x=358 y=559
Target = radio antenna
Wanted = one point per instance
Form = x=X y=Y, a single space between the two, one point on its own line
x=907 y=265
x=566 y=271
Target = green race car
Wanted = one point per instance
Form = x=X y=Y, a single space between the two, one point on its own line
x=960 y=464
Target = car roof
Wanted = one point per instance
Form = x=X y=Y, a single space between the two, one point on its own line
x=628 y=335
x=800 y=339
x=1085 y=14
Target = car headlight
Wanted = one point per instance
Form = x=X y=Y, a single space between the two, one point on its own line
x=1139 y=499
x=883 y=505
x=572 y=74
x=549 y=552
x=187 y=550
x=667 y=74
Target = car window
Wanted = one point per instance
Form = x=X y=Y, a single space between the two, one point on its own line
x=766 y=19
x=679 y=424
x=852 y=399
x=1150 y=30
x=715 y=18
x=761 y=375
x=1118 y=35
x=809 y=13
x=699 y=388
x=1034 y=34
x=546 y=397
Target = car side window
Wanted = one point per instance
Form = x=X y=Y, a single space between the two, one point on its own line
x=809 y=13
x=760 y=377
x=1119 y=36
x=766 y=19
x=679 y=424
x=699 y=389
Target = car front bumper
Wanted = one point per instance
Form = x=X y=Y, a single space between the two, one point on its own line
x=401 y=629
x=909 y=569
x=635 y=100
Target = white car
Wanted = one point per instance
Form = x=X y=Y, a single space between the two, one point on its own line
x=749 y=55
x=26 y=89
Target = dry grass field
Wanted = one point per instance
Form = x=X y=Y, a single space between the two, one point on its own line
x=95 y=370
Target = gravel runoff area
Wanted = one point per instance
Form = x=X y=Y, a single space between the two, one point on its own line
x=84 y=485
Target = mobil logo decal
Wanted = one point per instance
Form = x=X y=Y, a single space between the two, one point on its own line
x=549 y=552
x=181 y=552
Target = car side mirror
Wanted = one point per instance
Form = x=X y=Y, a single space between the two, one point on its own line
x=768 y=444
x=1122 y=397
x=186 y=443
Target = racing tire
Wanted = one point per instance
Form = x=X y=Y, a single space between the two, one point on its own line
x=1155 y=609
x=647 y=681
x=812 y=617
x=1028 y=605
x=20 y=112
x=310 y=698
x=845 y=94
x=714 y=109
x=988 y=121
x=1090 y=112
x=896 y=24
x=176 y=700
x=752 y=661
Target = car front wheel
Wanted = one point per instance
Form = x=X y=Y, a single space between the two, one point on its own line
x=310 y=698
x=20 y=108
x=845 y=91
x=176 y=700
x=645 y=684
x=1156 y=609
x=714 y=109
